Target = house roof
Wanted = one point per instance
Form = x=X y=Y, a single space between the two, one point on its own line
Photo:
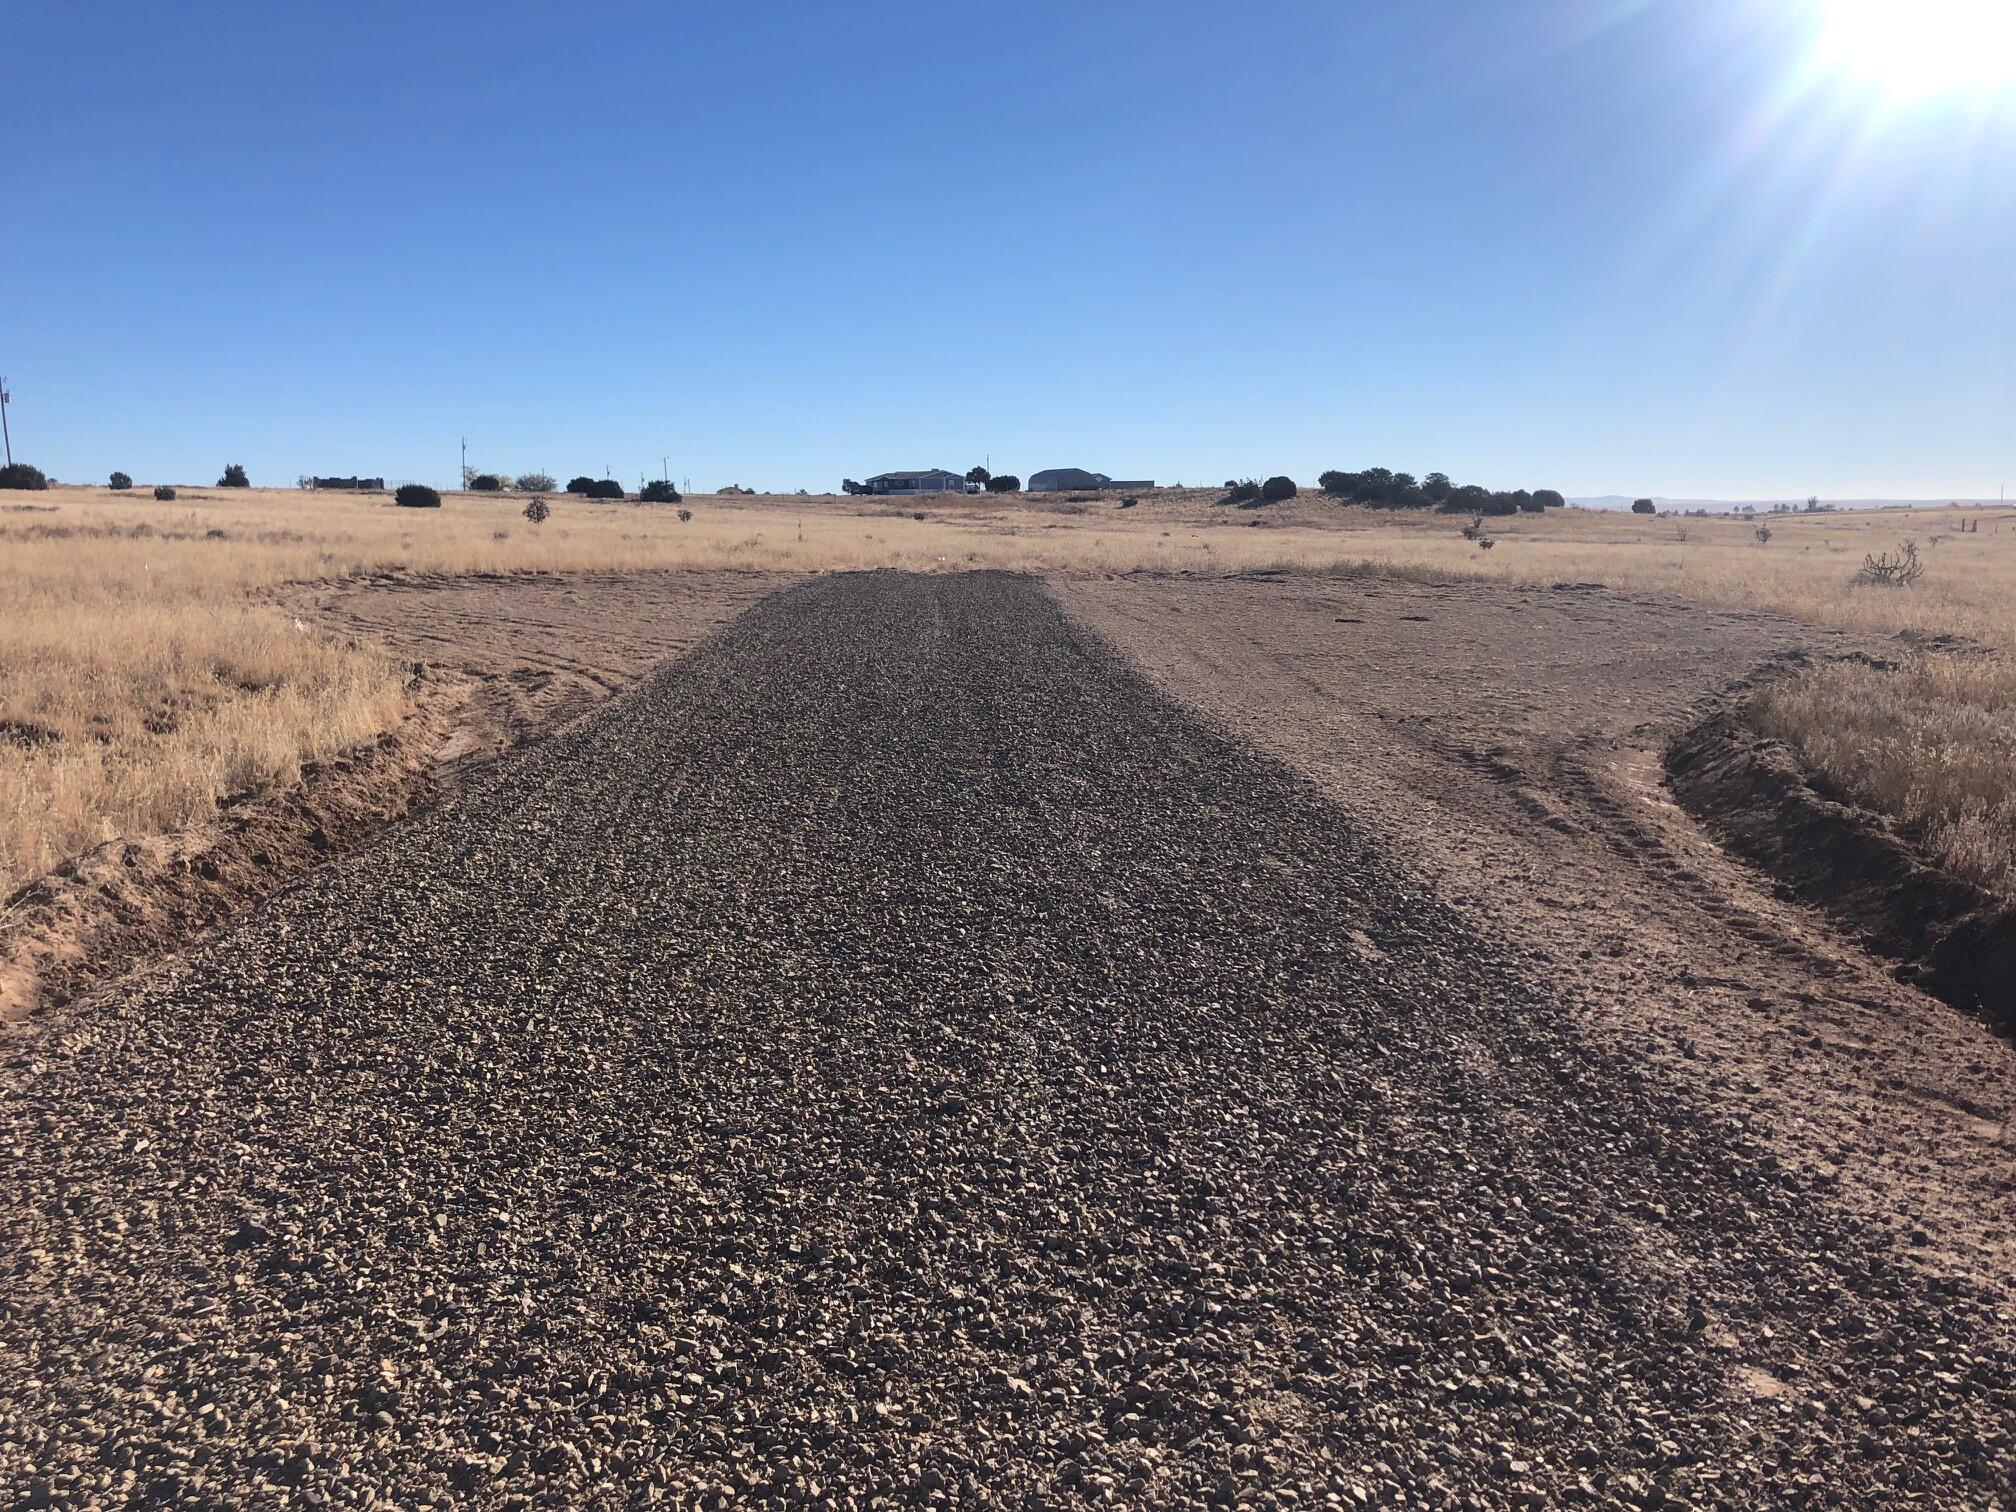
x=922 y=472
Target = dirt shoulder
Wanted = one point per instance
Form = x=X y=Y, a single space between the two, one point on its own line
x=496 y=661
x=1511 y=739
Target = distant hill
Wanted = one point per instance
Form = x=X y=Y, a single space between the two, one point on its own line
x=1725 y=506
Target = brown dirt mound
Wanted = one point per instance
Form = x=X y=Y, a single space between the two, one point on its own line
x=129 y=899
x=1957 y=941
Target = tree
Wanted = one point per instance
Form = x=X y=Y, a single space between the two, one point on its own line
x=536 y=510
x=1436 y=486
x=1277 y=488
x=234 y=477
x=1245 y=491
x=21 y=475
x=1644 y=506
x=535 y=483
x=1526 y=501
x=977 y=475
x=1548 y=498
x=1337 y=484
x=416 y=496
x=164 y=493
x=580 y=485
x=1004 y=483
x=658 y=491
x=851 y=486
x=486 y=483
x=604 y=488
x=120 y=480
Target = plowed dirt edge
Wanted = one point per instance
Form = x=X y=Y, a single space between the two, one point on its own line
x=120 y=904
x=1954 y=940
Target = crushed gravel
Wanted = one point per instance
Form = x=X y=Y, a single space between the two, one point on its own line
x=896 y=1056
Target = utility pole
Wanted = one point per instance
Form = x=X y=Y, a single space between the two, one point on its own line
x=664 y=469
x=4 y=397
x=464 y=480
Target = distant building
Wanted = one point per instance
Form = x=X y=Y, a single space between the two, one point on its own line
x=1068 y=479
x=932 y=480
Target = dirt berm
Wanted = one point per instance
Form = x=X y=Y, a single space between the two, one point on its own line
x=898 y=1057
x=1957 y=941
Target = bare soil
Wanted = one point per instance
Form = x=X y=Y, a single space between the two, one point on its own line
x=1510 y=741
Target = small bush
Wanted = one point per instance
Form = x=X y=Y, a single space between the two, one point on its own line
x=1763 y=535
x=486 y=483
x=658 y=491
x=580 y=485
x=536 y=511
x=535 y=483
x=1244 y=491
x=234 y=477
x=1644 y=506
x=685 y=515
x=21 y=475
x=1004 y=483
x=1277 y=488
x=1129 y=503
x=605 y=488
x=121 y=480
x=416 y=496
x=1549 y=498
x=165 y=494
x=919 y=515
x=1881 y=570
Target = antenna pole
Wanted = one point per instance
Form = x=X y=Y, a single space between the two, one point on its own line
x=4 y=432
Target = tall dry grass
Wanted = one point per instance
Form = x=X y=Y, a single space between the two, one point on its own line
x=148 y=666
x=1931 y=743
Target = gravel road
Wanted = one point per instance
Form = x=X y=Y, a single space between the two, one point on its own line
x=896 y=1056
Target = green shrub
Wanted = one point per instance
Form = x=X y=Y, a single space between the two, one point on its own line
x=658 y=491
x=1548 y=498
x=1245 y=491
x=234 y=477
x=121 y=480
x=1277 y=488
x=1004 y=483
x=535 y=483
x=580 y=485
x=1644 y=506
x=536 y=510
x=165 y=494
x=685 y=515
x=416 y=496
x=605 y=488
x=486 y=483
x=21 y=475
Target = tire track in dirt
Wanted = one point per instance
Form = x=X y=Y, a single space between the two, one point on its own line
x=895 y=1055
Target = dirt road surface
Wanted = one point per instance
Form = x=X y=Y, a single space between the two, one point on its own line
x=896 y=1055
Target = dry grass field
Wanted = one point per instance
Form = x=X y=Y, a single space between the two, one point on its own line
x=150 y=664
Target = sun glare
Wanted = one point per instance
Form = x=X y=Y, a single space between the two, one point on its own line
x=1910 y=49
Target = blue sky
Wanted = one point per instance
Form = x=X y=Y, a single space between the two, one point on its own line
x=1601 y=247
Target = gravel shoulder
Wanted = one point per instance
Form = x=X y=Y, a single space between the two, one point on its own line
x=897 y=1055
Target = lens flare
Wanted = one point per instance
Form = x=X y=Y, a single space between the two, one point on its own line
x=1910 y=49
